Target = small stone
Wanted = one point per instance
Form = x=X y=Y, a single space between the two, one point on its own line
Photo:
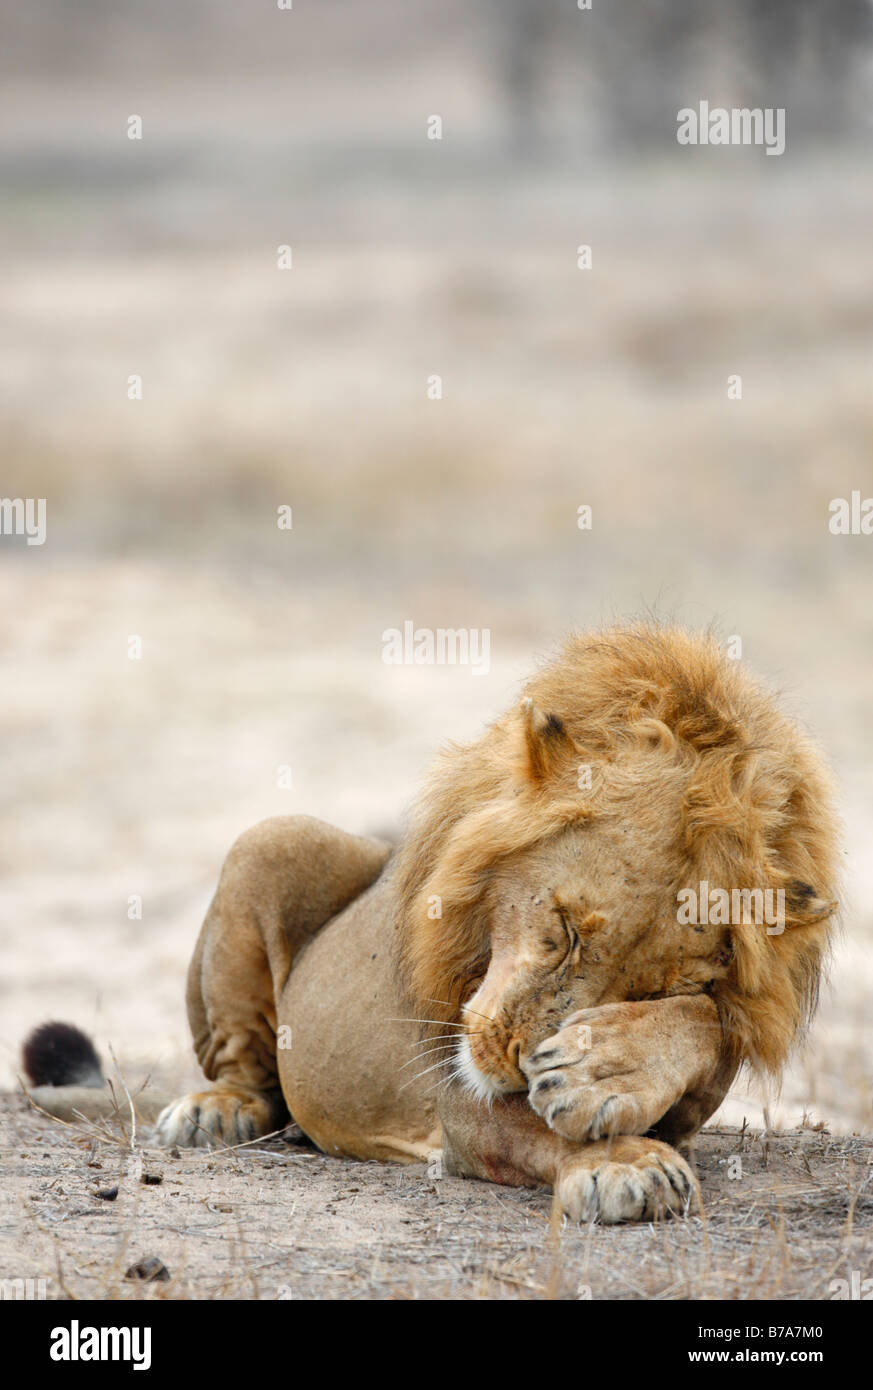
x=107 y=1194
x=148 y=1270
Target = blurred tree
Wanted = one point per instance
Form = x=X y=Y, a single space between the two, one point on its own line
x=806 y=56
x=646 y=61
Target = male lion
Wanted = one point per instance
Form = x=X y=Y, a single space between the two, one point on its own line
x=572 y=1023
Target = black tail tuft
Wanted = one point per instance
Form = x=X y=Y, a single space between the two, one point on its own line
x=57 y=1054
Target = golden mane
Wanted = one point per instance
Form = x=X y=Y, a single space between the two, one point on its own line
x=757 y=809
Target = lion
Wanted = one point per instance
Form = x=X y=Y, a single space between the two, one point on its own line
x=515 y=985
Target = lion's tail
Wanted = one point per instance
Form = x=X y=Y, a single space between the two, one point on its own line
x=66 y=1079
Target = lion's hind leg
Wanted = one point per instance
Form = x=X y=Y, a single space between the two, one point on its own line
x=281 y=882
x=233 y=1022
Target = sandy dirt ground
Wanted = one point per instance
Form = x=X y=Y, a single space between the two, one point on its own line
x=785 y=1216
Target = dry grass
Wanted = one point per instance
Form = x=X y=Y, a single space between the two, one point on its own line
x=279 y=1220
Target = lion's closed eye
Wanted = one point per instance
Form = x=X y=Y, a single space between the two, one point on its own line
x=558 y=939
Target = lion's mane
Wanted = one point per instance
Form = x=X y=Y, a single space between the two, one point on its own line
x=758 y=809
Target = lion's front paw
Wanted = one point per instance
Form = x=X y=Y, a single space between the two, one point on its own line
x=220 y=1116
x=626 y=1179
x=610 y=1070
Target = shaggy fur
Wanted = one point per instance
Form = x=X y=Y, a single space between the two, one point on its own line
x=638 y=705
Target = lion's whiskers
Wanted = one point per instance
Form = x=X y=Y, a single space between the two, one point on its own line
x=441 y=1063
x=466 y=1007
x=440 y=1037
x=437 y=1086
x=446 y=1022
x=444 y=1047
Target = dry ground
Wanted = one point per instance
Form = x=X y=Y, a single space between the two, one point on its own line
x=279 y=1220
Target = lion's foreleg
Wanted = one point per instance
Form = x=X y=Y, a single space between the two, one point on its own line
x=628 y=1178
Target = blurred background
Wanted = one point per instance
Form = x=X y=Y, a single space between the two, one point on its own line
x=307 y=387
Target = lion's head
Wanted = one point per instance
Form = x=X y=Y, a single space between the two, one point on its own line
x=549 y=865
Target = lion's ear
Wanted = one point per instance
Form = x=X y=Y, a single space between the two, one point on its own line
x=806 y=905
x=546 y=743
